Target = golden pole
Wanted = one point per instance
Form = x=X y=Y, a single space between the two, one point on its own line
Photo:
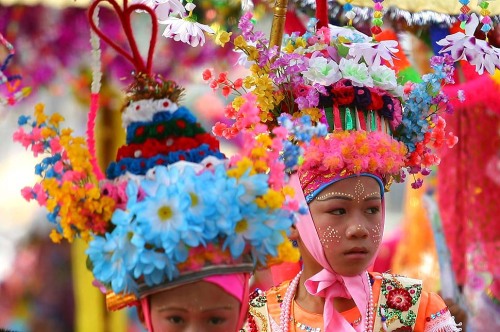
x=278 y=25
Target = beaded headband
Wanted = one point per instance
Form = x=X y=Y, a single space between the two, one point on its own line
x=172 y=208
x=343 y=80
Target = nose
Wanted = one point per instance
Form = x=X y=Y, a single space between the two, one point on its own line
x=356 y=231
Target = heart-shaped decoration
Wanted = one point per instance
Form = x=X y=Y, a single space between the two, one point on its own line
x=125 y=17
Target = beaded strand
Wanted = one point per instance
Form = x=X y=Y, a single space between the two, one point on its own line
x=377 y=17
x=464 y=16
x=290 y=295
x=349 y=12
x=485 y=16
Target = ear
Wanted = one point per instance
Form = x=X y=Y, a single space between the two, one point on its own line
x=294 y=234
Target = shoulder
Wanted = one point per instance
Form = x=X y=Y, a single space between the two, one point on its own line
x=402 y=304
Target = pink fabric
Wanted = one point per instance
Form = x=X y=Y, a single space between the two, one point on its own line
x=467 y=191
x=237 y=286
x=327 y=283
x=147 y=314
x=234 y=284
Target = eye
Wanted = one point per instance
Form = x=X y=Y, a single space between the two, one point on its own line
x=338 y=212
x=177 y=320
x=216 y=320
x=372 y=210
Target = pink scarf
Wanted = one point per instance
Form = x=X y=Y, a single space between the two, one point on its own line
x=234 y=284
x=327 y=283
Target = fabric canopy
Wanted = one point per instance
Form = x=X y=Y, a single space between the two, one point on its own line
x=450 y=7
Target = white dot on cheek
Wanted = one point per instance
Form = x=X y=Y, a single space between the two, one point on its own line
x=328 y=236
x=376 y=234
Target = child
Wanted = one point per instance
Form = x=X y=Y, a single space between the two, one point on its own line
x=338 y=77
x=174 y=228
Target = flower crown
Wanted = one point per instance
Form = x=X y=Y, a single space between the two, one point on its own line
x=342 y=79
x=172 y=208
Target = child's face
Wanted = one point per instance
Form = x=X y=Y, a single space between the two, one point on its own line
x=200 y=306
x=348 y=218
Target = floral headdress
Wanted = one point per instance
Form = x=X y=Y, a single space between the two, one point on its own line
x=172 y=208
x=342 y=79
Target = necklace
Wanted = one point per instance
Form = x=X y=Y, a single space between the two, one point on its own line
x=288 y=302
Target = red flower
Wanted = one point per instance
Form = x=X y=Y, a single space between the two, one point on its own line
x=207 y=74
x=403 y=329
x=399 y=299
x=218 y=129
x=343 y=93
x=238 y=83
x=377 y=102
x=226 y=90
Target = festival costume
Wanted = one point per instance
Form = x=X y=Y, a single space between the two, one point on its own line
x=172 y=209
x=341 y=79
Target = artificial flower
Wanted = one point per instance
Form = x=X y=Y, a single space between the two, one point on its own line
x=186 y=30
x=357 y=73
x=322 y=71
x=464 y=46
x=384 y=77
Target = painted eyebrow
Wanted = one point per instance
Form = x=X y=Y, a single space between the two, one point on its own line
x=228 y=307
x=347 y=197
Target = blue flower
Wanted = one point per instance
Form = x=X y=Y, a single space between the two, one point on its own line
x=162 y=218
x=113 y=257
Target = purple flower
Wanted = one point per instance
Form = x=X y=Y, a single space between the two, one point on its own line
x=417 y=184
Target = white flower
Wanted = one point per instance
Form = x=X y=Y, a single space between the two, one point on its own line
x=476 y=51
x=165 y=8
x=373 y=52
x=186 y=30
x=322 y=71
x=356 y=72
x=384 y=77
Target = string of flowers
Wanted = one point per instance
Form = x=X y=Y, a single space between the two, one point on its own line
x=423 y=130
x=68 y=188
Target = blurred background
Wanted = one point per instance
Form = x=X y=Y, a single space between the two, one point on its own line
x=45 y=287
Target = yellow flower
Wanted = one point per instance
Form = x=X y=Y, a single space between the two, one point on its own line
x=47 y=132
x=288 y=191
x=274 y=199
x=240 y=42
x=300 y=42
x=289 y=48
x=222 y=37
x=55 y=236
x=55 y=119
x=238 y=102
x=39 y=114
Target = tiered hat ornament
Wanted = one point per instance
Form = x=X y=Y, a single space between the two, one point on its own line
x=342 y=79
x=171 y=207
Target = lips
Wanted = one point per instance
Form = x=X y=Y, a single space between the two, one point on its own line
x=356 y=251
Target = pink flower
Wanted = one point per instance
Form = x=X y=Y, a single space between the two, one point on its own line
x=55 y=145
x=27 y=193
x=37 y=148
x=21 y=137
x=59 y=167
